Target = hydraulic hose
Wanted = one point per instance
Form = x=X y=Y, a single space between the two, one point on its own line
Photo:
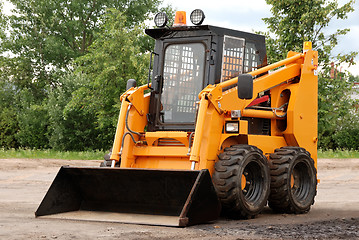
x=282 y=109
x=126 y=121
x=190 y=143
x=130 y=132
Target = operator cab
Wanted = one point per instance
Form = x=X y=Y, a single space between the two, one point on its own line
x=188 y=58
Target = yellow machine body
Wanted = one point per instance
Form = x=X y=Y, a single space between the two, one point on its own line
x=165 y=177
x=175 y=150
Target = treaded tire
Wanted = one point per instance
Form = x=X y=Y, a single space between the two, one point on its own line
x=108 y=155
x=293 y=180
x=242 y=181
x=108 y=162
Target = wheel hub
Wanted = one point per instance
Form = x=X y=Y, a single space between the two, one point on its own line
x=243 y=182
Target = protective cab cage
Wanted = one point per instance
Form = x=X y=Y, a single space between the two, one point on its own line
x=180 y=51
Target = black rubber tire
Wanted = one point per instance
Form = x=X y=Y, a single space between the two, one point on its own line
x=108 y=155
x=108 y=162
x=293 y=180
x=247 y=200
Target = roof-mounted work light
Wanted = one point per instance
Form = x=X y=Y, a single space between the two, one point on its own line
x=197 y=17
x=161 y=19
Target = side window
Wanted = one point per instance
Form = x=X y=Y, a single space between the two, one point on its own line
x=251 y=58
x=232 y=60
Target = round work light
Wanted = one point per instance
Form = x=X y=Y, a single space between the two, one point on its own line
x=197 y=16
x=161 y=19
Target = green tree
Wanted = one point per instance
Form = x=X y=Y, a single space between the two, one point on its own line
x=88 y=99
x=2 y=21
x=8 y=118
x=38 y=45
x=33 y=121
x=335 y=108
x=293 y=22
x=45 y=36
x=348 y=136
x=73 y=124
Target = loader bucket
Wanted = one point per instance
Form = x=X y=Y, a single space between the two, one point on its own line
x=141 y=196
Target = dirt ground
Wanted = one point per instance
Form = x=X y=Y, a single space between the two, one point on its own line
x=335 y=215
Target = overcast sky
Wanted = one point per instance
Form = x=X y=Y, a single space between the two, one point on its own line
x=247 y=16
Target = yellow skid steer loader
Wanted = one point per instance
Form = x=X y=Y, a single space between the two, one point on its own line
x=214 y=130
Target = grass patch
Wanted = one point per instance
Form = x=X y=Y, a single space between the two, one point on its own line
x=51 y=154
x=338 y=153
x=98 y=155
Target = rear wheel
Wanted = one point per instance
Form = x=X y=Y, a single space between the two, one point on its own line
x=293 y=180
x=242 y=179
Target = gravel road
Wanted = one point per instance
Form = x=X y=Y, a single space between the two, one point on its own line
x=335 y=215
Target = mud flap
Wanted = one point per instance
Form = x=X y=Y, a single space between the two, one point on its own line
x=141 y=196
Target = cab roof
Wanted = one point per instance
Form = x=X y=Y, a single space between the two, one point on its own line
x=157 y=33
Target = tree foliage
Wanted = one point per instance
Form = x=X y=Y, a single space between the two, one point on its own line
x=64 y=64
x=8 y=118
x=89 y=97
x=72 y=118
x=2 y=21
x=33 y=121
x=45 y=36
x=293 y=22
x=336 y=109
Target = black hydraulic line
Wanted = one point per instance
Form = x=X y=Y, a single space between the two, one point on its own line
x=123 y=140
x=190 y=143
x=126 y=121
x=130 y=132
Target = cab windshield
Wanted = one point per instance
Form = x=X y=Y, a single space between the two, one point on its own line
x=183 y=80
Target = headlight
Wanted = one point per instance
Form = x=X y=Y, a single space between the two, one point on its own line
x=197 y=17
x=161 y=19
x=232 y=127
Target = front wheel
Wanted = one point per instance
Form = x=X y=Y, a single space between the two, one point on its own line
x=293 y=180
x=108 y=162
x=242 y=181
